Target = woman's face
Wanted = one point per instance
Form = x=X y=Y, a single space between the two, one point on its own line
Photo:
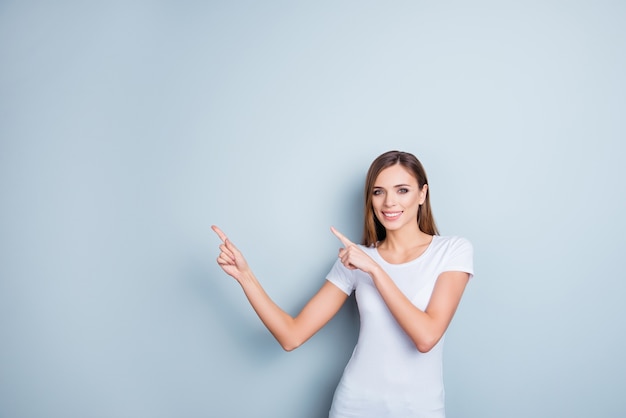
x=396 y=198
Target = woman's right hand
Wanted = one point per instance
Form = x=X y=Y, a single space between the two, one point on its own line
x=290 y=332
x=230 y=259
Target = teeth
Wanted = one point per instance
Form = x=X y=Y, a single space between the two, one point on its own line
x=392 y=214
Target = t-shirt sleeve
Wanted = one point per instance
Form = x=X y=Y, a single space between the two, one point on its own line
x=342 y=277
x=461 y=256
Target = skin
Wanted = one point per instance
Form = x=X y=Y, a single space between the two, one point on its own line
x=396 y=201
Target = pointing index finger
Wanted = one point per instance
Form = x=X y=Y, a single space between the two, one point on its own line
x=345 y=241
x=219 y=233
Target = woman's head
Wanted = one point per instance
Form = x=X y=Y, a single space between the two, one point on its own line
x=373 y=230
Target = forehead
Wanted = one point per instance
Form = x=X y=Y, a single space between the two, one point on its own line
x=394 y=175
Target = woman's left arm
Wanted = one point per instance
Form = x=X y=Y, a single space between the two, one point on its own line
x=424 y=327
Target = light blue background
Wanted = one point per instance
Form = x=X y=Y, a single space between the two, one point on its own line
x=128 y=128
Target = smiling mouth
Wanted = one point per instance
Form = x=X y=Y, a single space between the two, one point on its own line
x=392 y=215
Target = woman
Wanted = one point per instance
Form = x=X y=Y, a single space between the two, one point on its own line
x=408 y=282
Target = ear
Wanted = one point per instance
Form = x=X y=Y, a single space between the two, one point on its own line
x=423 y=194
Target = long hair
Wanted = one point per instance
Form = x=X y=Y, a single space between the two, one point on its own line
x=373 y=230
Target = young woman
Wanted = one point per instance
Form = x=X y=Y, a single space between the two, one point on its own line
x=408 y=282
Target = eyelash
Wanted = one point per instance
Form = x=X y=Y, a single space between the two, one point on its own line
x=402 y=190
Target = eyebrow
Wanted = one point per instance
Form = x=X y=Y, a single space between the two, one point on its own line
x=396 y=186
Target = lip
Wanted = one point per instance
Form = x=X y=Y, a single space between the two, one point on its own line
x=392 y=216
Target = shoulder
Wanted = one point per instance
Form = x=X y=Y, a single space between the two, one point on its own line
x=456 y=253
x=452 y=247
x=452 y=242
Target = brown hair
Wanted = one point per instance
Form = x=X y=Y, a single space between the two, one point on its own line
x=373 y=230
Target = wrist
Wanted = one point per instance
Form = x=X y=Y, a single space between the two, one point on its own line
x=246 y=278
x=375 y=271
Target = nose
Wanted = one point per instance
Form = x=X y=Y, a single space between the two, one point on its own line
x=390 y=200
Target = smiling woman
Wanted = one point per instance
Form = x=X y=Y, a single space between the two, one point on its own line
x=392 y=201
x=408 y=282
x=406 y=168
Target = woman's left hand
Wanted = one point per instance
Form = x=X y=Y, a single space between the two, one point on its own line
x=352 y=256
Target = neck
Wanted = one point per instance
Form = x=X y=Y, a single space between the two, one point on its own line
x=406 y=238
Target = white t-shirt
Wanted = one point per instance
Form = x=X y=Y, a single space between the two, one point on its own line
x=387 y=376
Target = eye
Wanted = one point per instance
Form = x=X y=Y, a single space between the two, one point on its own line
x=403 y=190
x=377 y=192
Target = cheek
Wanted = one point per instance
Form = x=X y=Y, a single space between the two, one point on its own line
x=414 y=200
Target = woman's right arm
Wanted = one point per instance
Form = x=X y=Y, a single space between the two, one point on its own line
x=290 y=332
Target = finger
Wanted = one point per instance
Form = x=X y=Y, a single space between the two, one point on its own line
x=219 y=233
x=223 y=262
x=227 y=255
x=347 y=264
x=227 y=252
x=231 y=247
x=345 y=241
x=225 y=259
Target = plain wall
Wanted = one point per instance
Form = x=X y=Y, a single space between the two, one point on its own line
x=128 y=128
